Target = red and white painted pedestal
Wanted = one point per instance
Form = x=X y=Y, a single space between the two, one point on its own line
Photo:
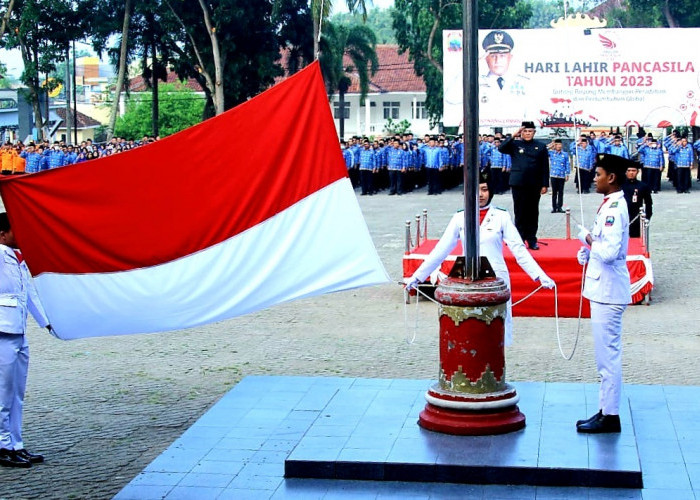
x=471 y=396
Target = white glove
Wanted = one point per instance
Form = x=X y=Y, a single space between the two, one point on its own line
x=412 y=284
x=583 y=254
x=583 y=233
x=546 y=281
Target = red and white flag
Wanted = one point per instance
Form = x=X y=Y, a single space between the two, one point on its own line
x=244 y=211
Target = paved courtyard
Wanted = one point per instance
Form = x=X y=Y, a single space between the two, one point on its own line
x=103 y=409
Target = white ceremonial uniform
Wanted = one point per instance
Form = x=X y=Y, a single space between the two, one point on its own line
x=17 y=297
x=496 y=228
x=607 y=286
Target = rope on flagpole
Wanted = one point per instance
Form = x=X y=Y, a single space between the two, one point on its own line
x=556 y=314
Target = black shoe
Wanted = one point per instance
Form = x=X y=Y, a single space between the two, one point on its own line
x=34 y=458
x=534 y=246
x=602 y=425
x=554 y=210
x=591 y=419
x=9 y=458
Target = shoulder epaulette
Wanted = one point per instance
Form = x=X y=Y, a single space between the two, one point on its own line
x=460 y=210
x=500 y=208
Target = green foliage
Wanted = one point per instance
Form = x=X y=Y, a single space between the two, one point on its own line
x=392 y=127
x=378 y=20
x=545 y=12
x=358 y=43
x=248 y=40
x=414 y=20
x=180 y=108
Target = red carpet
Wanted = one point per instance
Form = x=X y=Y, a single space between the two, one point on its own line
x=558 y=259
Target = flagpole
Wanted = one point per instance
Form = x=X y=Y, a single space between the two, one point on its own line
x=455 y=405
x=470 y=32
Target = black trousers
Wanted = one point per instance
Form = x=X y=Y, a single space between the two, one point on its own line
x=586 y=180
x=497 y=180
x=557 y=192
x=367 y=181
x=653 y=178
x=434 y=184
x=395 y=182
x=526 y=205
x=683 y=181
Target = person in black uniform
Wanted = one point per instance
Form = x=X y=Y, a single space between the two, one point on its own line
x=529 y=179
x=637 y=193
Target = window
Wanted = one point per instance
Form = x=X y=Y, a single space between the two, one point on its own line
x=336 y=110
x=421 y=112
x=391 y=110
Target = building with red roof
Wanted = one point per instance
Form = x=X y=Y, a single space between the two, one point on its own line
x=395 y=92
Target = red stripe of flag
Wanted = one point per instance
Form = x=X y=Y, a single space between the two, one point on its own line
x=182 y=194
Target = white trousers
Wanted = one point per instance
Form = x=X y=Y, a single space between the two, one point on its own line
x=14 y=366
x=606 y=323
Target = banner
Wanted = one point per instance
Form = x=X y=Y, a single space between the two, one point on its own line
x=588 y=77
x=227 y=217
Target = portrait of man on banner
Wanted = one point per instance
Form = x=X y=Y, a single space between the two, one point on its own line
x=500 y=84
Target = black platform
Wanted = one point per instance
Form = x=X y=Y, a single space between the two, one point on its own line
x=369 y=431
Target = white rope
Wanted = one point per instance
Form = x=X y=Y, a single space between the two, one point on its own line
x=556 y=314
x=406 y=296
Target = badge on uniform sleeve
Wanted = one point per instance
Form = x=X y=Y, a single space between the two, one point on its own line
x=609 y=220
x=613 y=204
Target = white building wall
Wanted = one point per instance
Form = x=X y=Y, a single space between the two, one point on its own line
x=371 y=122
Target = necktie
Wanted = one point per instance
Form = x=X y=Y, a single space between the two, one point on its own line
x=500 y=82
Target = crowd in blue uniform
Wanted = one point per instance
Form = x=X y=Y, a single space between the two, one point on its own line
x=45 y=156
x=401 y=163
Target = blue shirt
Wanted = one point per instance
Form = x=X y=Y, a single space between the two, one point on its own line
x=70 y=158
x=585 y=157
x=367 y=159
x=459 y=153
x=620 y=150
x=56 y=159
x=684 y=155
x=347 y=156
x=433 y=157
x=653 y=157
x=395 y=158
x=559 y=164
x=34 y=163
x=500 y=160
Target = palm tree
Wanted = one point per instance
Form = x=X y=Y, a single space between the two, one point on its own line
x=321 y=10
x=356 y=42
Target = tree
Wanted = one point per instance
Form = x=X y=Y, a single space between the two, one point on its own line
x=121 y=72
x=42 y=30
x=180 y=108
x=6 y=18
x=655 y=13
x=545 y=12
x=418 y=25
x=248 y=48
x=378 y=20
x=356 y=42
x=321 y=10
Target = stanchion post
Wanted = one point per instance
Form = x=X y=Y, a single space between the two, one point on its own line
x=425 y=223
x=568 y=223
x=417 y=230
x=647 y=243
x=408 y=236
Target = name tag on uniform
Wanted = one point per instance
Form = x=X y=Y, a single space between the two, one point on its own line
x=609 y=220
